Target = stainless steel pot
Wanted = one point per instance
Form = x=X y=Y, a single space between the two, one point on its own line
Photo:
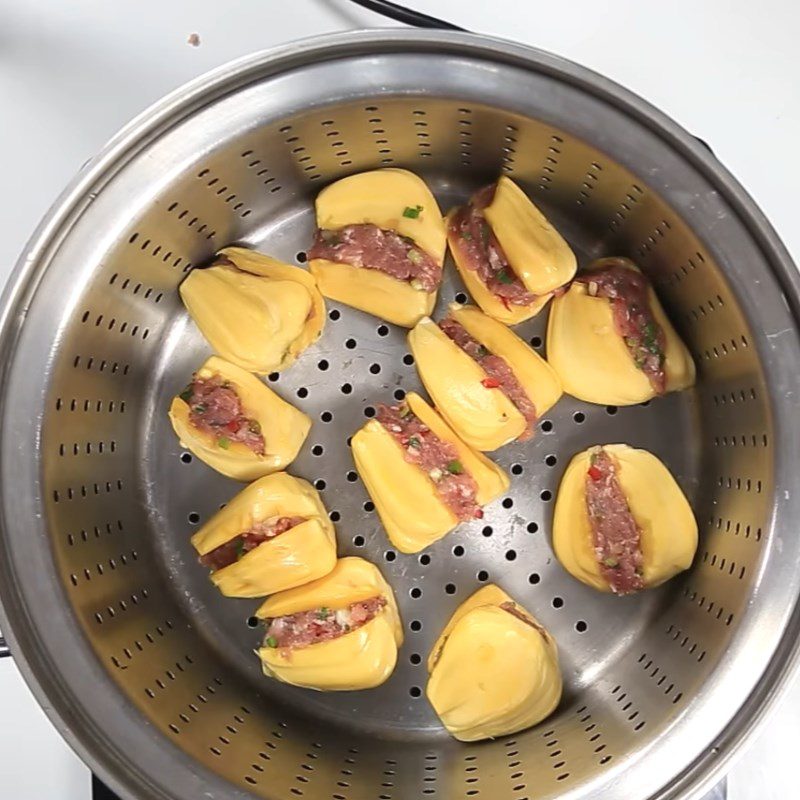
x=149 y=673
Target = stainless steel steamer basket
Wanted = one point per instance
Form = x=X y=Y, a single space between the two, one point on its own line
x=149 y=672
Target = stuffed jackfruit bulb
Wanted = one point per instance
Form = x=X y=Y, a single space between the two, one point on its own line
x=273 y=535
x=255 y=312
x=380 y=244
x=494 y=669
x=488 y=384
x=236 y=424
x=337 y=633
x=610 y=341
x=509 y=256
x=423 y=479
x=621 y=522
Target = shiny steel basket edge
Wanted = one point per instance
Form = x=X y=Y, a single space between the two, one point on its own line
x=147 y=672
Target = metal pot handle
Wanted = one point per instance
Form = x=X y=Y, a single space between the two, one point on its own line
x=417 y=19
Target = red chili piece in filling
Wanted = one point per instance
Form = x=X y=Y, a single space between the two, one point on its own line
x=231 y=551
x=615 y=535
x=369 y=247
x=456 y=488
x=215 y=408
x=320 y=624
x=482 y=253
x=499 y=373
x=633 y=317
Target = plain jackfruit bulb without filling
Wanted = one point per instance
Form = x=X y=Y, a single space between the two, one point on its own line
x=255 y=311
x=493 y=670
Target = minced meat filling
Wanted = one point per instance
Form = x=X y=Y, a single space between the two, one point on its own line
x=320 y=624
x=215 y=408
x=616 y=537
x=439 y=459
x=231 y=551
x=499 y=374
x=633 y=317
x=367 y=246
x=482 y=252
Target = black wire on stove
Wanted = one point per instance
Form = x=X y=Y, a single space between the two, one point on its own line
x=406 y=15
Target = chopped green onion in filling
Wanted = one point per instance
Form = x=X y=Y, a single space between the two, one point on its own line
x=504 y=277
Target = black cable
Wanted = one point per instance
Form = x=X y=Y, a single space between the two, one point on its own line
x=100 y=791
x=406 y=15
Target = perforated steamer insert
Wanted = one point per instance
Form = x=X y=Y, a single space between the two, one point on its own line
x=149 y=671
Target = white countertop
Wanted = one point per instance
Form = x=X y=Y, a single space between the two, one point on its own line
x=73 y=71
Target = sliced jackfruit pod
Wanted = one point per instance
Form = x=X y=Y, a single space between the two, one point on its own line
x=255 y=312
x=594 y=362
x=507 y=313
x=405 y=496
x=360 y=659
x=351 y=580
x=537 y=377
x=536 y=251
x=494 y=669
x=483 y=416
x=301 y=554
x=372 y=291
x=380 y=197
x=283 y=427
x=659 y=507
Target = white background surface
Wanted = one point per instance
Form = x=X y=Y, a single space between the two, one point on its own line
x=73 y=72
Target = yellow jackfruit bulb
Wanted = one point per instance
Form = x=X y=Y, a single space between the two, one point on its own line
x=474 y=403
x=595 y=362
x=494 y=669
x=667 y=527
x=255 y=312
x=274 y=535
x=504 y=311
x=357 y=655
x=416 y=506
x=536 y=254
x=535 y=250
x=393 y=200
x=236 y=424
